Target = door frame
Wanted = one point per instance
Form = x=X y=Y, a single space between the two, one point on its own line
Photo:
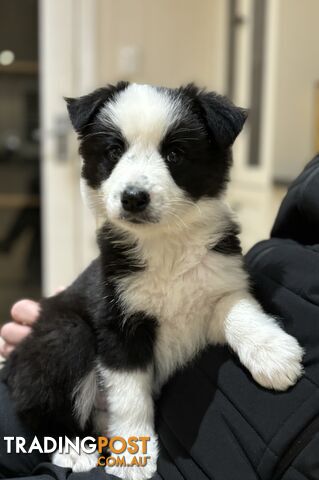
x=241 y=71
x=67 y=32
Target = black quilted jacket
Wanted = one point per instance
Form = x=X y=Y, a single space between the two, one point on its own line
x=214 y=422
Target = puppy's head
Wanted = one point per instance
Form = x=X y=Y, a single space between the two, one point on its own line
x=151 y=154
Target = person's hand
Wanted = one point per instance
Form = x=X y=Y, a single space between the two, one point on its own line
x=23 y=313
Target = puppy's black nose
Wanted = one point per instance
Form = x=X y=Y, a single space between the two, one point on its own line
x=135 y=199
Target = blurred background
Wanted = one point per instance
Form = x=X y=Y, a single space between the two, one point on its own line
x=264 y=54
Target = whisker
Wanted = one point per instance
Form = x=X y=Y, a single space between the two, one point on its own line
x=186 y=202
x=178 y=218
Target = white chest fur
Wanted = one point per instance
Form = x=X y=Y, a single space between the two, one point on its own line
x=182 y=281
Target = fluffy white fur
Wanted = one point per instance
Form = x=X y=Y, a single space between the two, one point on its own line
x=272 y=356
x=142 y=113
x=130 y=411
x=201 y=297
x=85 y=396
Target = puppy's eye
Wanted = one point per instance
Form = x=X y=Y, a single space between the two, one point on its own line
x=114 y=153
x=174 y=157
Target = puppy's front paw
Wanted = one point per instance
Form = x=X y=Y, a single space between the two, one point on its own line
x=83 y=462
x=276 y=363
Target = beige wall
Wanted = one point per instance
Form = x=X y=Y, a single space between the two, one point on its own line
x=296 y=73
x=178 y=41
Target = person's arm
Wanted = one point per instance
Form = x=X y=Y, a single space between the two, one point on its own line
x=298 y=216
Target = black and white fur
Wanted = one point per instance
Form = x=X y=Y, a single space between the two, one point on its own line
x=169 y=279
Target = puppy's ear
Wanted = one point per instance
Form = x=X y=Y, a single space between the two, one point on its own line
x=83 y=109
x=223 y=119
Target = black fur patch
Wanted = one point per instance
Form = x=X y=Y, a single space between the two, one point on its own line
x=82 y=110
x=223 y=119
x=201 y=141
x=83 y=323
x=202 y=167
x=96 y=148
x=117 y=253
x=126 y=344
x=97 y=144
x=123 y=343
x=229 y=243
x=45 y=368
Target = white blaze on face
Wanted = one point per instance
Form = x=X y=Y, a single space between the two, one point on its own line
x=143 y=113
x=145 y=170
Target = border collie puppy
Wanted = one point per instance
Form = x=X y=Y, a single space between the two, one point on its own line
x=169 y=279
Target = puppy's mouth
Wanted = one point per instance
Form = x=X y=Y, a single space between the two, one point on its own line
x=143 y=218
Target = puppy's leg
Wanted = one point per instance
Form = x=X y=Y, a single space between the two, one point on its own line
x=130 y=412
x=271 y=355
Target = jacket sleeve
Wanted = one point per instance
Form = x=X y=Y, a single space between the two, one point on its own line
x=298 y=216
